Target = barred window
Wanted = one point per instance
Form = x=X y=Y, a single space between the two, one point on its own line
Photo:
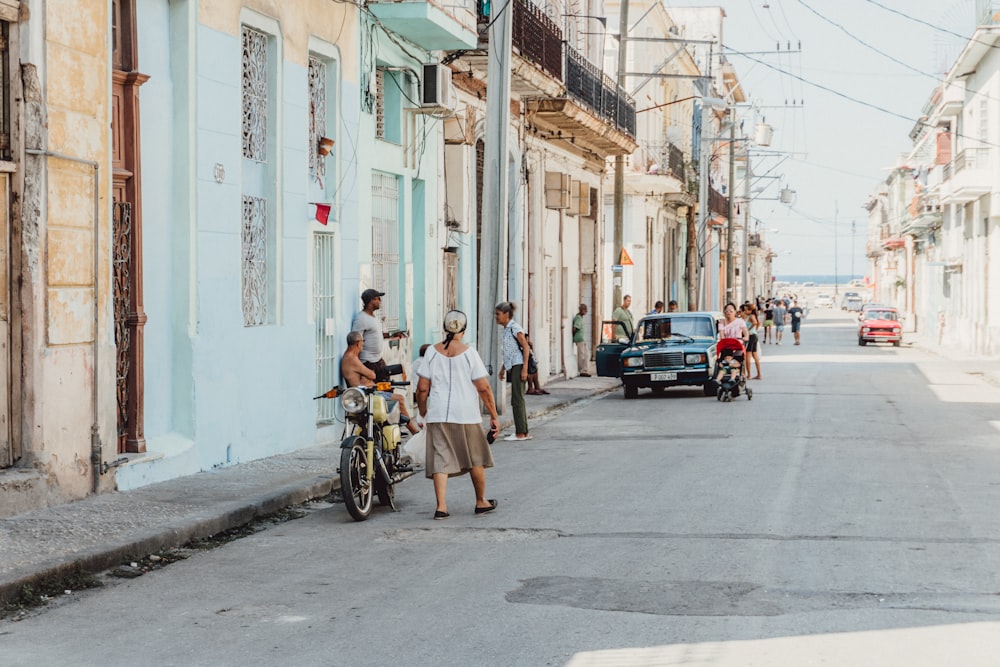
x=255 y=89
x=317 y=116
x=255 y=265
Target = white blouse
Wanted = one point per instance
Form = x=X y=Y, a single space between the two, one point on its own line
x=453 y=398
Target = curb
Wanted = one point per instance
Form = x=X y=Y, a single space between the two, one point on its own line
x=104 y=557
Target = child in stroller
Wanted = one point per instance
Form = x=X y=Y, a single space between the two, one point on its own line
x=729 y=353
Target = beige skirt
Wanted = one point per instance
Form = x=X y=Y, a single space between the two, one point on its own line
x=455 y=448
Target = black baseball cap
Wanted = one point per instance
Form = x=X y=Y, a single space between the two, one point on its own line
x=370 y=294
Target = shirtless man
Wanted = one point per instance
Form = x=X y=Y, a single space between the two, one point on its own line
x=356 y=374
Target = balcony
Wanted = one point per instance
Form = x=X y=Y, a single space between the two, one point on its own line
x=718 y=203
x=566 y=98
x=657 y=168
x=925 y=214
x=754 y=241
x=433 y=26
x=967 y=177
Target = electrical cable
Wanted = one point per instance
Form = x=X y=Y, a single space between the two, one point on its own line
x=930 y=25
x=867 y=45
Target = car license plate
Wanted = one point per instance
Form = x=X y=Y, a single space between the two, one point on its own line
x=663 y=377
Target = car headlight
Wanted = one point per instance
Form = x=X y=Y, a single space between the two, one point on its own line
x=895 y=331
x=353 y=401
x=865 y=329
x=633 y=362
x=691 y=359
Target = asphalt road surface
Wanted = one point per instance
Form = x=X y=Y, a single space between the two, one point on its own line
x=847 y=515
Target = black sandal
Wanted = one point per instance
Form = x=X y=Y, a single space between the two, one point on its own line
x=484 y=510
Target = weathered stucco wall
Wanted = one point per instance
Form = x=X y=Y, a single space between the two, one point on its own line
x=66 y=111
x=335 y=22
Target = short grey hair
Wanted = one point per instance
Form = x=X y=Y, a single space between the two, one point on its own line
x=354 y=337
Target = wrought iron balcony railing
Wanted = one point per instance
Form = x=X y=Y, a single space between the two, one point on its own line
x=589 y=85
x=538 y=39
x=718 y=202
x=664 y=158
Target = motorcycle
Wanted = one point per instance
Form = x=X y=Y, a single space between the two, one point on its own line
x=371 y=459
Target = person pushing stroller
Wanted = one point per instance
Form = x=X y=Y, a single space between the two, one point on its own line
x=734 y=335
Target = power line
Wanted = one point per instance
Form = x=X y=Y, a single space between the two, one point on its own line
x=930 y=25
x=867 y=45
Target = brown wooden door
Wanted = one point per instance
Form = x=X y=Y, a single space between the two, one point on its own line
x=130 y=318
x=7 y=453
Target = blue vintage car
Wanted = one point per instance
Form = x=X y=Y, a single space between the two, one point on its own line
x=666 y=350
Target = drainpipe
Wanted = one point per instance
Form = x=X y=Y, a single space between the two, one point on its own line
x=95 y=436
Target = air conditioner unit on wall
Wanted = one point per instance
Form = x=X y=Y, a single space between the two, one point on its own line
x=557 y=189
x=437 y=87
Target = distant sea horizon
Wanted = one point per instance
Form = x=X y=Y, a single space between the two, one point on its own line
x=819 y=279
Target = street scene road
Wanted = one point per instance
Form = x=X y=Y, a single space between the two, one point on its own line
x=844 y=516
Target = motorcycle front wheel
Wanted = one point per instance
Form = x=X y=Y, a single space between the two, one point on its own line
x=354 y=483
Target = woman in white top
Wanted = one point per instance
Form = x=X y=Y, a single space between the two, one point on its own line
x=453 y=379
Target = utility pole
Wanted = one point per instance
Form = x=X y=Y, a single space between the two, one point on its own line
x=731 y=225
x=619 y=206
x=495 y=189
x=836 y=270
x=747 y=294
x=852 y=249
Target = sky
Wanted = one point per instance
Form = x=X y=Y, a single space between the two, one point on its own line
x=842 y=103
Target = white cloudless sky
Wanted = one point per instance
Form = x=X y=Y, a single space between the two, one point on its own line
x=833 y=151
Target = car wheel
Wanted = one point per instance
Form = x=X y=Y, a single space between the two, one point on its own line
x=896 y=343
x=861 y=341
x=631 y=392
x=709 y=388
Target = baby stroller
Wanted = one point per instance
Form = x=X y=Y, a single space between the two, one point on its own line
x=731 y=386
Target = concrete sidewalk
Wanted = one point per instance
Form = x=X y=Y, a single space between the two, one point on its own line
x=102 y=532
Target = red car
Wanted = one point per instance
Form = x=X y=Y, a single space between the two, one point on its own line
x=880 y=324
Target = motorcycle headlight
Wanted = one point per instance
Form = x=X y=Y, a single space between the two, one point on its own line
x=691 y=359
x=353 y=401
x=632 y=362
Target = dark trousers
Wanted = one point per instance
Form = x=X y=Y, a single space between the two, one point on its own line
x=517 y=404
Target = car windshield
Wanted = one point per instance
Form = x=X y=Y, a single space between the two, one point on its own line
x=665 y=328
x=881 y=315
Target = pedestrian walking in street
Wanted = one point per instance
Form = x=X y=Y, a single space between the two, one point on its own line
x=753 y=328
x=452 y=383
x=582 y=349
x=780 y=315
x=624 y=315
x=768 y=321
x=515 y=352
x=796 y=314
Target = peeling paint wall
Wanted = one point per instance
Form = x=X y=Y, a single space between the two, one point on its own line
x=63 y=50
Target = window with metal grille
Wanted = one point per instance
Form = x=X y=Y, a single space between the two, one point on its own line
x=450 y=280
x=257 y=228
x=317 y=116
x=380 y=103
x=324 y=312
x=255 y=89
x=385 y=246
x=255 y=265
